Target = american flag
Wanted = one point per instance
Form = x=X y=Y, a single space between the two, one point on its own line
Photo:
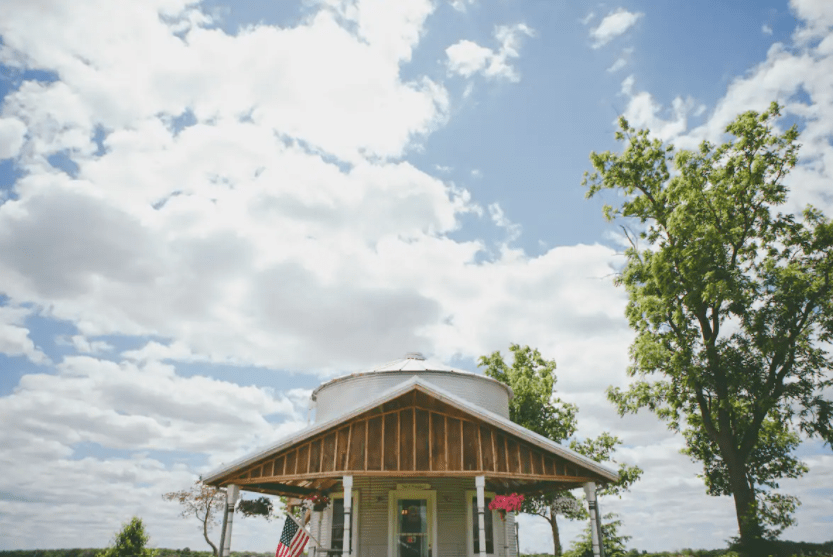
x=293 y=539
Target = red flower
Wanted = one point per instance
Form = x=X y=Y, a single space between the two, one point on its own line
x=507 y=503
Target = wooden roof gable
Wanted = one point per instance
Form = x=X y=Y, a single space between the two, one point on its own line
x=419 y=431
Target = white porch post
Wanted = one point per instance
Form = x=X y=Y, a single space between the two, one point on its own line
x=232 y=494
x=480 y=483
x=595 y=519
x=348 y=522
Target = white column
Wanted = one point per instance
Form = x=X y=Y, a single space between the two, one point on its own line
x=232 y=494
x=595 y=520
x=348 y=522
x=480 y=483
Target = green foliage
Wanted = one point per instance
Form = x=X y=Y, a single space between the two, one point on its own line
x=532 y=379
x=732 y=304
x=613 y=541
x=129 y=542
x=535 y=407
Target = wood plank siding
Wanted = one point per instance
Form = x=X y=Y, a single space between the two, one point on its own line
x=414 y=435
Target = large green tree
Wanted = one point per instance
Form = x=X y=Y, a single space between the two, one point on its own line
x=535 y=407
x=731 y=303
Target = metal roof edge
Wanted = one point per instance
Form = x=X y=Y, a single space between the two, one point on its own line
x=450 y=370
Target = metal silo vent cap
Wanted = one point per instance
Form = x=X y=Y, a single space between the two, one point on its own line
x=414 y=356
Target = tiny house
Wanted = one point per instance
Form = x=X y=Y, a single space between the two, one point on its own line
x=409 y=456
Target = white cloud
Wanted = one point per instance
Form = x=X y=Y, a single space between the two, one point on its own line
x=643 y=111
x=14 y=335
x=461 y=5
x=617 y=65
x=12 y=132
x=622 y=61
x=766 y=29
x=613 y=25
x=135 y=411
x=816 y=19
x=467 y=58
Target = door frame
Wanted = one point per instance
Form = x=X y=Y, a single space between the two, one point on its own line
x=395 y=495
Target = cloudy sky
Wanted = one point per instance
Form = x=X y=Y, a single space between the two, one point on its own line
x=208 y=208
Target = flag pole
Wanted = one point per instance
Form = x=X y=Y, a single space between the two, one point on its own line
x=289 y=514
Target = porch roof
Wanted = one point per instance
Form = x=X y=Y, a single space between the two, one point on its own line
x=415 y=429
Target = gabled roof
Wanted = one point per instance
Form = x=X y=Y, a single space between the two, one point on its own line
x=413 y=429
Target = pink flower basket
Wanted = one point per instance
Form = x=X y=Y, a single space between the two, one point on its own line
x=506 y=503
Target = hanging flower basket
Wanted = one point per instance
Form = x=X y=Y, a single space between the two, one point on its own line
x=319 y=501
x=506 y=503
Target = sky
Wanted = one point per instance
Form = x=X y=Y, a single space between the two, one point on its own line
x=209 y=208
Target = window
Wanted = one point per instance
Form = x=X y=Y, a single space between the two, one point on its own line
x=337 y=525
x=473 y=523
x=336 y=511
x=475 y=532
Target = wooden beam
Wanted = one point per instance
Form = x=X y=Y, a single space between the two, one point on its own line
x=382 y=456
x=445 y=438
x=430 y=444
x=578 y=480
x=280 y=488
x=479 y=448
x=398 y=432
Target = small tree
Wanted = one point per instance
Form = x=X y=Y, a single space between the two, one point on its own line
x=130 y=542
x=535 y=407
x=612 y=541
x=732 y=304
x=206 y=503
x=202 y=501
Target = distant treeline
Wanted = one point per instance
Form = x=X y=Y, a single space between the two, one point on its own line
x=779 y=549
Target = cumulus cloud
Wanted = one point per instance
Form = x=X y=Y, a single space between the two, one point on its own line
x=461 y=5
x=128 y=412
x=12 y=132
x=467 y=58
x=643 y=111
x=613 y=25
x=14 y=335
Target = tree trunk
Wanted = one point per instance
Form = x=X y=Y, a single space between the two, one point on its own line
x=746 y=508
x=205 y=521
x=556 y=538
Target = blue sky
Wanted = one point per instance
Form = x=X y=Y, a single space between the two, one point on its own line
x=206 y=209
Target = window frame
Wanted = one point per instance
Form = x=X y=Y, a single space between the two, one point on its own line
x=470 y=520
x=354 y=517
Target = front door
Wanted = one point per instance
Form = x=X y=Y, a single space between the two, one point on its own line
x=412 y=526
x=412 y=534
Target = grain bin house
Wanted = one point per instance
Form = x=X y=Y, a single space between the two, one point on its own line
x=410 y=454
